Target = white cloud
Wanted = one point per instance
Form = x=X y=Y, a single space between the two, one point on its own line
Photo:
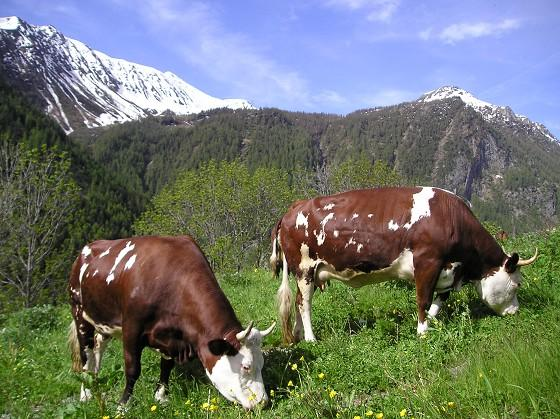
x=376 y=10
x=197 y=33
x=462 y=31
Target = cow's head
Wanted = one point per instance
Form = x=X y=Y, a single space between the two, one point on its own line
x=237 y=371
x=498 y=289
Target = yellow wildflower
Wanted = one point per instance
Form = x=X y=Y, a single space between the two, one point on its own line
x=379 y=415
x=272 y=393
x=332 y=394
x=294 y=367
x=205 y=405
x=402 y=413
x=321 y=375
x=369 y=413
x=357 y=417
x=107 y=417
x=302 y=358
x=290 y=383
x=252 y=397
x=153 y=408
x=451 y=404
x=188 y=402
x=213 y=408
x=214 y=400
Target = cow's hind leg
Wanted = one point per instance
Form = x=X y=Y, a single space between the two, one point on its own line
x=166 y=365
x=132 y=351
x=81 y=340
x=305 y=289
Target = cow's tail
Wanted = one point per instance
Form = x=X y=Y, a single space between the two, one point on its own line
x=276 y=256
x=284 y=296
x=74 y=347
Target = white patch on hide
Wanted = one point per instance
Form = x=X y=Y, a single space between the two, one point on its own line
x=328 y=207
x=86 y=251
x=301 y=220
x=354 y=216
x=392 y=225
x=369 y=215
x=420 y=206
x=130 y=262
x=322 y=235
x=359 y=248
x=128 y=248
x=82 y=271
x=335 y=233
x=105 y=253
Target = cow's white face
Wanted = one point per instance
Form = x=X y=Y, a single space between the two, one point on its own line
x=499 y=291
x=239 y=377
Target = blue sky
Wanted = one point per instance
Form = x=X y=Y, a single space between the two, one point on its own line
x=330 y=55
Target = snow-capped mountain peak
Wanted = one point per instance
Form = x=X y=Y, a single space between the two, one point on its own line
x=80 y=86
x=490 y=112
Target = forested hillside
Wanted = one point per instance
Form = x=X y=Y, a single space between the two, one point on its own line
x=37 y=154
x=511 y=176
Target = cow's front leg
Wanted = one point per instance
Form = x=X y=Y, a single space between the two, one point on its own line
x=437 y=303
x=166 y=365
x=132 y=350
x=306 y=287
x=425 y=276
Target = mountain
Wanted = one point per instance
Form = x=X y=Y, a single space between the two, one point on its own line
x=509 y=171
x=491 y=113
x=79 y=86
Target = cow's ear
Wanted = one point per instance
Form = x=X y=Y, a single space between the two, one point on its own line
x=511 y=263
x=221 y=347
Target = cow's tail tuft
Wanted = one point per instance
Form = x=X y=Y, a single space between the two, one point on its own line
x=74 y=347
x=285 y=298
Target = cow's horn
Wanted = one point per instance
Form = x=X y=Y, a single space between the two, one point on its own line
x=528 y=261
x=243 y=334
x=267 y=331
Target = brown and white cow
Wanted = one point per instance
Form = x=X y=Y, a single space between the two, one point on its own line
x=160 y=292
x=423 y=234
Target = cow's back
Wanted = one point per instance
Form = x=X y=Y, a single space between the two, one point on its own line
x=369 y=228
x=141 y=274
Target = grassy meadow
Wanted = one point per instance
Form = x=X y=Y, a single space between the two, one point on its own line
x=367 y=363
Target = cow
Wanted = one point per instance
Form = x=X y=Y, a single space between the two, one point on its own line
x=425 y=235
x=160 y=292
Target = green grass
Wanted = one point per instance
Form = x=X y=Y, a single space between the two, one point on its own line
x=367 y=361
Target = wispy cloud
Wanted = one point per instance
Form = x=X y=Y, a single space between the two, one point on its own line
x=463 y=31
x=376 y=10
x=232 y=58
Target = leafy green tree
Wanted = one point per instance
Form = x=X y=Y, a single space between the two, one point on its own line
x=37 y=198
x=229 y=210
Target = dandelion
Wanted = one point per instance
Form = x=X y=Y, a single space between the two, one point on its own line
x=379 y=415
x=357 y=417
x=332 y=394
x=294 y=367
x=252 y=397
x=451 y=404
x=188 y=402
x=321 y=375
x=214 y=400
x=272 y=393
x=153 y=408
x=402 y=413
x=213 y=408
x=369 y=413
x=290 y=383
x=205 y=406
x=107 y=417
